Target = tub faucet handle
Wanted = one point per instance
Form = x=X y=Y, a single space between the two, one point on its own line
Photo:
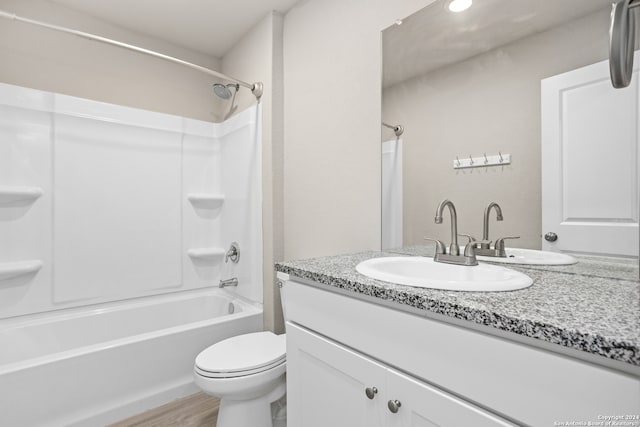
x=233 y=253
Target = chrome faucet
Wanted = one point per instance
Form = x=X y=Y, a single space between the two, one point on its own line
x=229 y=282
x=453 y=257
x=485 y=227
x=485 y=248
x=454 y=249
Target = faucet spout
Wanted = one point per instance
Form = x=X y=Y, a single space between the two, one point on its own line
x=229 y=282
x=485 y=227
x=454 y=249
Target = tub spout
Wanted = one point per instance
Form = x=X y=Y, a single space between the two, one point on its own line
x=229 y=282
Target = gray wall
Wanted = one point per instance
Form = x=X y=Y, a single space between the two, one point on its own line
x=488 y=103
x=332 y=69
x=43 y=59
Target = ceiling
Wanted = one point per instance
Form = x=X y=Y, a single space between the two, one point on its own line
x=210 y=27
x=434 y=37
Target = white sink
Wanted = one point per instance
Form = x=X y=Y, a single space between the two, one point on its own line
x=426 y=273
x=531 y=257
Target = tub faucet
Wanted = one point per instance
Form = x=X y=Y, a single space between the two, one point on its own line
x=453 y=257
x=229 y=282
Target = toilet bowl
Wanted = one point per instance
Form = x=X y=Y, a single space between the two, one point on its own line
x=247 y=373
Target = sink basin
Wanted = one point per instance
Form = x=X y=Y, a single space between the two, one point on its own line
x=424 y=272
x=531 y=257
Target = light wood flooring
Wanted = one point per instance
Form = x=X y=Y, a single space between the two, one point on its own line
x=197 y=410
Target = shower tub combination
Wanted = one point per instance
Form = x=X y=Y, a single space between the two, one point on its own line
x=97 y=365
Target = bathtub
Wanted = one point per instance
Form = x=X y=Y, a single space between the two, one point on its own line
x=97 y=365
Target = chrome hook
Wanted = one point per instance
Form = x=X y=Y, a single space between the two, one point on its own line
x=470 y=160
x=485 y=158
x=458 y=161
x=501 y=159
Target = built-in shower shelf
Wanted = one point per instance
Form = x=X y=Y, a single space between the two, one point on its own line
x=11 y=194
x=206 y=201
x=11 y=270
x=206 y=253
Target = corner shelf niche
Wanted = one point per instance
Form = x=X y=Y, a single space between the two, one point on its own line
x=11 y=194
x=208 y=254
x=205 y=200
x=11 y=270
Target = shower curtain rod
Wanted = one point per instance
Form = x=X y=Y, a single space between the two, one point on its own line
x=398 y=129
x=256 y=88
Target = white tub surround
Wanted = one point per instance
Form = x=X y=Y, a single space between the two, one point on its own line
x=119 y=203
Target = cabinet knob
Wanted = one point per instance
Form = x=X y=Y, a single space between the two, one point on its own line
x=551 y=237
x=371 y=392
x=394 y=405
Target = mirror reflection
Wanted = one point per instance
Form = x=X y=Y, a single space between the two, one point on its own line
x=509 y=102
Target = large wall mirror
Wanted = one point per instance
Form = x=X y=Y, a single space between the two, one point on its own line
x=510 y=102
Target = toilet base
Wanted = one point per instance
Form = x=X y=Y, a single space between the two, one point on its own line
x=252 y=412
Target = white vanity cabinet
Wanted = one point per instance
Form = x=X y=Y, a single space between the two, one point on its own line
x=441 y=370
x=331 y=385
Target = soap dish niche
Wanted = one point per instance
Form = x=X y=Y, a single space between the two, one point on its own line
x=205 y=200
x=19 y=194
x=11 y=270
x=206 y=254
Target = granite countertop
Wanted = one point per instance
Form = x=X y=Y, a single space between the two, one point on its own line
x=592 y=306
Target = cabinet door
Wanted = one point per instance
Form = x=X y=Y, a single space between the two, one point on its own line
x=326 y=383
x=422 y=405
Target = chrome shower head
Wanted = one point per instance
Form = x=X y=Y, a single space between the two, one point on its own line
x=224 y=91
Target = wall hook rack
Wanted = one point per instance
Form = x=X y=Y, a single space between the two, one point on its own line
x=482 y=161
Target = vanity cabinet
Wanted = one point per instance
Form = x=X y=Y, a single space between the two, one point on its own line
x=443 y=371
x=329 y=384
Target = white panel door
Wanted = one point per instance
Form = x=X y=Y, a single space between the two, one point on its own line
x=326 y=384
x=590 y=162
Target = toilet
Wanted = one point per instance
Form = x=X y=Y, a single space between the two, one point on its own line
x=247 y=374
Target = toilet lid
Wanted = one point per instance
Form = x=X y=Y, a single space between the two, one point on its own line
x=248 y=353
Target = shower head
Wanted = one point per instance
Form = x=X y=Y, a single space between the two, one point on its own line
x=224 y=91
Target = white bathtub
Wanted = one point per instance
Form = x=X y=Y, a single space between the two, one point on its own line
x=96 y=365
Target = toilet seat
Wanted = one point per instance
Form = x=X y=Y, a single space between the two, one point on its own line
x=242 y=355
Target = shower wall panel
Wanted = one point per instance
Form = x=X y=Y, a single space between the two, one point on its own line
x=131 y=202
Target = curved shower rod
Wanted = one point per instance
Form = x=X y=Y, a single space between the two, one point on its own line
x=256 y=88
x=398 y=129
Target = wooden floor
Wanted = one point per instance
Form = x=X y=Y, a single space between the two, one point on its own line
x=197 y=410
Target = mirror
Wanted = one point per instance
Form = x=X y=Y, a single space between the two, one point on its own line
x=509 y=102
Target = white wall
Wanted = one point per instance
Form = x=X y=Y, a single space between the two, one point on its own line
x=488 y=103
x=332 y=69
x=258 y=57
x=46 y=60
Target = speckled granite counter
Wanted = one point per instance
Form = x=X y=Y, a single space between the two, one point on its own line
x=592 y=306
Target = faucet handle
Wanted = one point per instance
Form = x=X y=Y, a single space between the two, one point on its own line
x=468 y=236
x=500 y=242
x=439 y=245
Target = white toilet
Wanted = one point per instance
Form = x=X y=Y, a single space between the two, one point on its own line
x=247 y=373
